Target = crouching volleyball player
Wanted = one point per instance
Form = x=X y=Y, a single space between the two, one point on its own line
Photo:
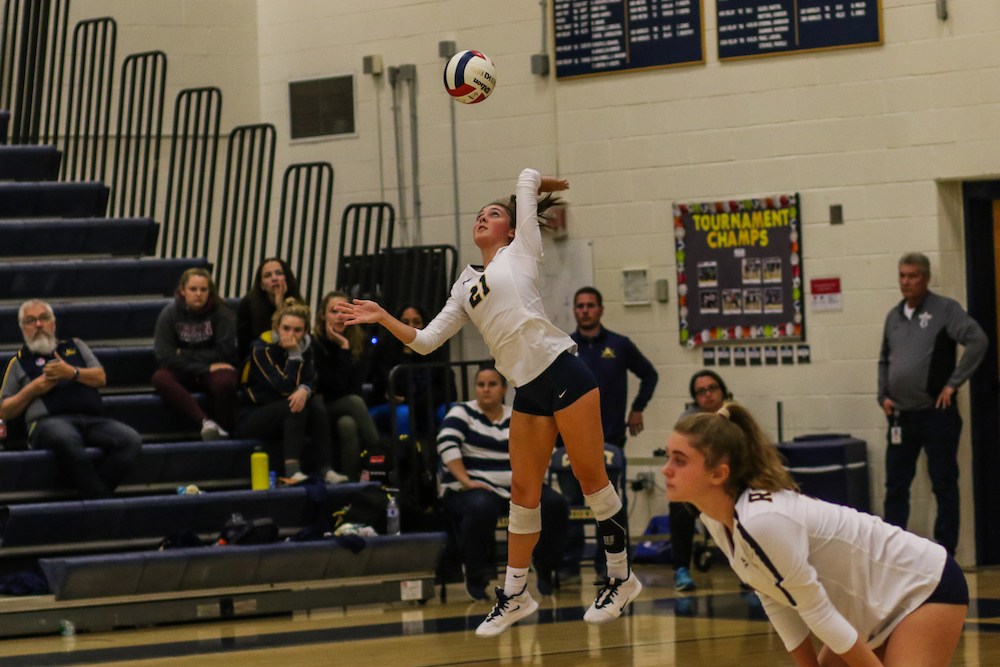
x=873 y=593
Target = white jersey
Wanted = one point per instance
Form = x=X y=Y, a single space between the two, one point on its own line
x=827 y=568
x=504 y=302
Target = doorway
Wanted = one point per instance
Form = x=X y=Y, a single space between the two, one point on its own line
x=981 y=202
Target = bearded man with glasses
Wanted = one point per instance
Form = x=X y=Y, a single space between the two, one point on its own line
x=54 y=384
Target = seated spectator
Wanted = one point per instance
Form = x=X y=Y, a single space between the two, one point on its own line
x=709 y=392
x=475 y=486
x=278 y=398
x=273 y=283
x=195 y=345
x=53 y=383
x=424 y=392
x=341 y=359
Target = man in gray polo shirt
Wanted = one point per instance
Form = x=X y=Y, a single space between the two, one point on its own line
x=917 y=380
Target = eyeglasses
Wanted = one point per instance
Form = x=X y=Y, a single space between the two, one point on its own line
x=704 y=391
x=44 y=318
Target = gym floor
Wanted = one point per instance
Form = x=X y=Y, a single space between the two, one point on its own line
x=716 y=626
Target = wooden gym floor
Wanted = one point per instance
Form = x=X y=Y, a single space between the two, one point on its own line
x=714 y=626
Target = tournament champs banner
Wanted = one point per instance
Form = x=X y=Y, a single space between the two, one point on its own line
x=739 y=271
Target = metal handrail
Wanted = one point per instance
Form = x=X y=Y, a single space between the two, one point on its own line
x=194 y=151
x=88 y=105
x=306 y=200
x=371 y=228
x=140 y=131
x=32 y=61
x=246 y=205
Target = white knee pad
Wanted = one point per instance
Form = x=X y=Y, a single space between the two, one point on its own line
x=605 y=503
x=524 y=521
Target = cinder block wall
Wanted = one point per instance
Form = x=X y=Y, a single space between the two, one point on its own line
x=888 y=132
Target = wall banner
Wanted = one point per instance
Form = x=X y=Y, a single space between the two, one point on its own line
x=739 y=271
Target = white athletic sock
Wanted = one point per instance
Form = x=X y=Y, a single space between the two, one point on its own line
x=515 y=580
x=617 y=564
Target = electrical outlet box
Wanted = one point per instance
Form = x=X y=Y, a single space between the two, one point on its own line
x=446 y=49
x=371 y=64
x=540 y=64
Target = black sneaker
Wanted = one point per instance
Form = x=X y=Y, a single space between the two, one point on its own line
x=544 y=581
x=476 y=590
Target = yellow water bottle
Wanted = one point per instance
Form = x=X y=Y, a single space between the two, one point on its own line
x=259 y=477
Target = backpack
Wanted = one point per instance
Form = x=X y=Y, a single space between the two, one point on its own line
x=655 y=551
x=248 y=531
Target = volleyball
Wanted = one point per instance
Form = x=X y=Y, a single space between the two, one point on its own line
x=470 y=77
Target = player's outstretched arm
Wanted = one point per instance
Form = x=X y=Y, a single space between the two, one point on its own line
x=360 y=311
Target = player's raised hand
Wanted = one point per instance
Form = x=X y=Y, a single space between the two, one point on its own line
x=553 y=184
x=360 y=311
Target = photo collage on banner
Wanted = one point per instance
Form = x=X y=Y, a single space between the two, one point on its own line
x=739 y=271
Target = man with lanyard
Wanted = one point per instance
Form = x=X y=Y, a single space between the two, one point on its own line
x=917 y=380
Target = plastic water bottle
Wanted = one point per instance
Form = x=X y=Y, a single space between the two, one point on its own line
x=392 y=517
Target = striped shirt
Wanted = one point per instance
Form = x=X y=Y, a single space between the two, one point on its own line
x=468 y=434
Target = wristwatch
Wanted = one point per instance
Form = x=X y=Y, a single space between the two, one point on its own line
x=76 y=374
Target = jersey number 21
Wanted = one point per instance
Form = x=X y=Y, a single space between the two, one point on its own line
x=475 y=297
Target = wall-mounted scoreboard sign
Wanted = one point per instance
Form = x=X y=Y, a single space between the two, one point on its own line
x=766 y=27
x=601 y=36
x=739 y=271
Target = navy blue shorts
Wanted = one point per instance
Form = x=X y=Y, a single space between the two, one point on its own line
x=952 y=589
x=559 y=386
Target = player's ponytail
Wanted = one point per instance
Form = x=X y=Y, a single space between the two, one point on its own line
x=734 y=437
x=509 y=204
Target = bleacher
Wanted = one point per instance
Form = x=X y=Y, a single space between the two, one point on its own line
x=109 y=267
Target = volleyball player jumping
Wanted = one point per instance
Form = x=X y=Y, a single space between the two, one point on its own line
x=556 y=393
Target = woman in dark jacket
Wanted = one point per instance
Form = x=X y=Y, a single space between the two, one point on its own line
x=195 y=347
x=341 y=363
x=273 y=283
x=279 y=399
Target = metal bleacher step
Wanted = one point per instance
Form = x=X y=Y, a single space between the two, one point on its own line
x=34 y=476
x=29 y=163
x=41 y=238
x=97 y=323
x=112 y=277
x=127 y=368
x=82 y=199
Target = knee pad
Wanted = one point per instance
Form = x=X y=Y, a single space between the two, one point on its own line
x=605 y=503
x=524 y=521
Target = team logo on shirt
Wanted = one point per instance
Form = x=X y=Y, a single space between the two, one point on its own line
x=925 y=319
x=608 y=353
x=754 y=496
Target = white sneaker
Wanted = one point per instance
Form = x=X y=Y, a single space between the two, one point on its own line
x=334 y=477
x=212 y=431
x=612 y=599
x=506 y=612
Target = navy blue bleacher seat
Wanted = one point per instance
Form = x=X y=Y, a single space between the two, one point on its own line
x=79 y=278
x=79 y=236
x=47 y=199
x=29 y=163
x=92 y=321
